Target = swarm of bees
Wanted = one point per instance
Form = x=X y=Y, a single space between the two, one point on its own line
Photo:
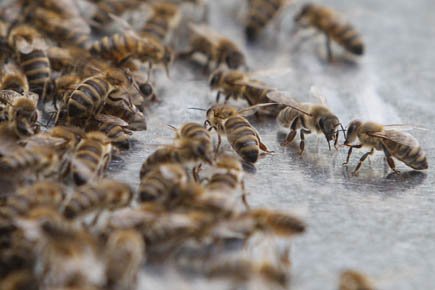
x=71 y=94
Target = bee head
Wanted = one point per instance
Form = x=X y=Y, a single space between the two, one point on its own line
x=234 y=60
x=328 y=126
x=306 y=9
x=215 y=79
x=146 y=89
x=352 y=131
x=23 y=128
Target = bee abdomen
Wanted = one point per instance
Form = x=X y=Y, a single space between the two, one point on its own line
x=157 y=28
x=242 y=138
x=348 y=37
x=414 y=157
x=220 y=180
x=260 y=14
x=81 y=202
x=195 y=131
x=36 y=67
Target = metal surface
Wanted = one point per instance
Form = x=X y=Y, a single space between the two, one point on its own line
x=378 y=223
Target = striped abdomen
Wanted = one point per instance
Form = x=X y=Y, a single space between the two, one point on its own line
x=411 y=154
x=286 y=117
x=261 y=12
x=87 y=98
x=195 y=131
x=118 y=135
x=222 y=181
x=157 y=27
x=36 y=67
x=160 y=156
x=242 y=137
x=115 y=7
x=88 y=161
x=116 y=47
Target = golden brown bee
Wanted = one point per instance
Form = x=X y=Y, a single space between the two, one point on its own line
x=307 y=118
x=121 y=47
x=115 y=129
x=215 y=47
x=279 y=223
x=327 y=21
x=91 y=157
x=105 y=194
x=160 y=182
x=185 y=152
x=30 y=48
x=25 y=115
x=243 y=270
x=125 y=253
x=239 y=85
x=18 y=280
x=388 y=139
x=196 y=132
x=242 y=136
x=74 y=30
x=164 y=18
x=13 y=79
x=260 y=14
x=353 y=280
x=71 y=136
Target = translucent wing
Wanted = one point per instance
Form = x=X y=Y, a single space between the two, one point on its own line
x=111 y=119
x=7 y=96
x=272 y=73
x=253 y=84
x=43 y=139
x=253 y=109
x=285 y=99
x=397 y=137
x=206 y=32
x=404 y=127
x=315 y=92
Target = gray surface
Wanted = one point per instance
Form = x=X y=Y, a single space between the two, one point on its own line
x=379 y=224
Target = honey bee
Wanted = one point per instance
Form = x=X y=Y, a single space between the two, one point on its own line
x=107 y=7
x=121 y=47
x=388 y=139
x=24 y=114
x=195 y=132
x=125 y=253
x=163 y=20
x=353 y=280
x=279 y=223
x=260 y=14
x=185 y=152
x=243 y=270
x=160 y=182
x=91 y=157
x=30 y=48
x=13 y=79
x=115 y=129
x=307 y=118
x=71 y=137
x=242 y=136
x=21 y=279
x=327 y=21
x=106 y=194
x=215 y=47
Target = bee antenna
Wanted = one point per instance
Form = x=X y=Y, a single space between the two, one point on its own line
x=198 y=109
x=172 y=127
x=343 y=130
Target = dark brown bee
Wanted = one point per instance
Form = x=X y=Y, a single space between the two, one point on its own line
x=244 y=139
x=123 y=46
x=327 y=21
x=164 y=19
x=91 y=158
x=260 y=14
x=215 y=47
x=394 y=143
x=30 y=47
x=160 y=182
x=13 y=79
x=105 y=194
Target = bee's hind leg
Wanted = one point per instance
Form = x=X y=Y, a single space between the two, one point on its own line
x=363 y=158
x=390 y=161
x=302 y=144
x=328 y=48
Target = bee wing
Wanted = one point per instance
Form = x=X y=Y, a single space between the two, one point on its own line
x=315 y=92
x=397 y=137
x=253 y=109
x=285 y=99
x=206 y=32
x=253 y=84
x=404 y=127
x=43 y=139
x=7 y=96
x=273 y=73
x=111 y=119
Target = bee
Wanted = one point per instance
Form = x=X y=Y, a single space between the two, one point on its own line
x=186 y=151
x=326 y=21
x=121 y=47
x=165 y=17
x=307 y=118
x=106 y=194
x=279 y=223
x=30 y=48
x=195 y=132
x=243 y=270
x=71 y=136
x=160 y=182
x=107 y=7
x=215 y=47
x=387 y=138
x=91 y=157
x=260 y=14
x=24 y=114
x=73 y=30
x=115 y=129
x=13 y=79
x=125 y=253
x=241 y=135
x=21 y=279
x=353 y=280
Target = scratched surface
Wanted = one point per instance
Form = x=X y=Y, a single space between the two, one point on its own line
x=378 y=223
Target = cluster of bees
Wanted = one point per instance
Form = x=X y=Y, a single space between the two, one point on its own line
x=77 y=80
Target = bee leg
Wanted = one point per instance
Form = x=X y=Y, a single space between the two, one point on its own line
x=218 y=144
x=363 y=158
x=244 y=195
x=350 y=152
x=195 y=173
x=328 y=48
x=302 y=144
x=227 y=98
x=218 y=96
x=291 y=135
x=390 y=161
